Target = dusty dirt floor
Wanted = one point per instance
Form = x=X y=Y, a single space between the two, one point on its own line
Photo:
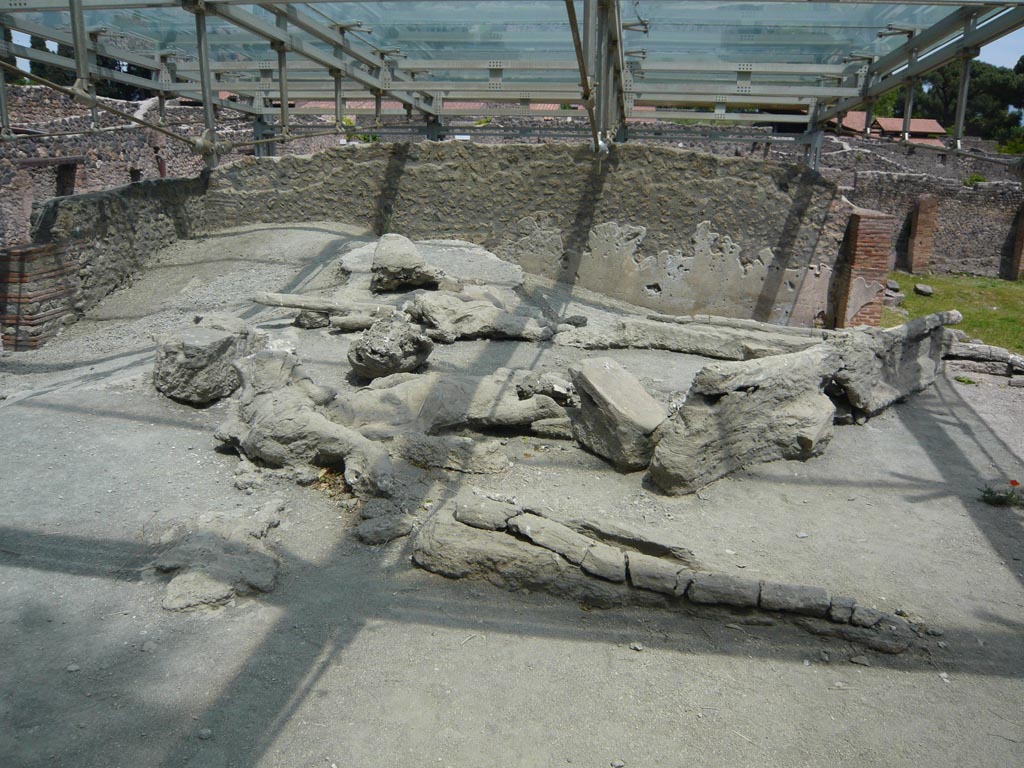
x=359 y=659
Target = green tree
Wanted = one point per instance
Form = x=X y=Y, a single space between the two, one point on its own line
x=885 y=105
x=113 y=89
x=994 y=99
x=51 y=72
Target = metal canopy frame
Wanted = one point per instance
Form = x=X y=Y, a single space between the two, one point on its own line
x=772 y=62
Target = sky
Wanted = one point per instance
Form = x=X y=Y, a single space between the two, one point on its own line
x=1006 y=51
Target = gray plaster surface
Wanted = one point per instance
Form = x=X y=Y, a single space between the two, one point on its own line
x=358 y=659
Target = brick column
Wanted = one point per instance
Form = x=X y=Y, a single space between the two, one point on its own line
x=1016 y=266
x=922 y=234
x=863 y=269
x=38 y=284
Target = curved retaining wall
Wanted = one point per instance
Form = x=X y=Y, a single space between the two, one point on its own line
x=676 y=231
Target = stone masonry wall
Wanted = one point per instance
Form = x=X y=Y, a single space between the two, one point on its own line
x=673 y=230
x=975 y=226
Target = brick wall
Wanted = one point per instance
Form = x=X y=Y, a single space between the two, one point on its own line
x=37 y=287
x=923 y=224
x=862 y=269
x=975 y=226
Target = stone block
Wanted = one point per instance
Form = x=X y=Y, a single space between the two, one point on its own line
x=794 y=598
x=551 y=535
x=390 y=345
x=652 y=573
x=841 y=609
x=866 y=617
x=481 y=512
x=194 y=364
x=722 y=589
x=617 y=417
x=398 y=265
x=605 y=562
x=742 y=413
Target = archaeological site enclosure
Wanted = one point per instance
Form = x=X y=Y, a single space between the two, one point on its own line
x=503 y=383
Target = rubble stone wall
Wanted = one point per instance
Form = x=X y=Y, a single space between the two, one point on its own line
x=975 y=226
x=83 y=247
x=669 y=229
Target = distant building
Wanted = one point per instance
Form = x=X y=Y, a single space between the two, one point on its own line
x=922 y=130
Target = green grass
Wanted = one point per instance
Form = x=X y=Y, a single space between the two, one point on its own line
x=993 y=309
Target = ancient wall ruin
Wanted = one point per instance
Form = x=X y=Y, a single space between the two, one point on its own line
x=975 y=226
x=672 y=230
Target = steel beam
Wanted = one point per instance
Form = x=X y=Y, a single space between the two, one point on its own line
x=188 y=90
x=738 y=117
x=932 y=49
x=252 y=23
x=961 y=103
x=94 y=45
x=317 y=29
x=58 y=5
x=282 y=74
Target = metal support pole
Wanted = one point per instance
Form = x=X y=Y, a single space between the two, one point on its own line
x=282 y=75
x=339 y=85
x=581 y=63
x=206 y=146
x=961 y=103
x=869 y=117
x=5 y=117
x=598 y=53
x=908 y=107
x=816 y=142
x=908 y=97
x=261 y=131
x=435 y=128
x=80 y=40
x=590 y=35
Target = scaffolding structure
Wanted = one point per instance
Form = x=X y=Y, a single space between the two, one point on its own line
x=795 y=63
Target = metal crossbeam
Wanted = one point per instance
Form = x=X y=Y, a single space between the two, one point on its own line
x=252 y=23
x=920 y=55
x=60 y=5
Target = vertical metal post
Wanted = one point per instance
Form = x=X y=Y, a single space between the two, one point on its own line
x=339 y=85
x=5 y=117
x=205 y=81
x=908 y=108
x=908 y=98
x=961 y=103
x=282 y=75
x=339 y=101
x=816 y=141
x=590 y=12
x=869 y=117
x=603 y=67
x=80 y=40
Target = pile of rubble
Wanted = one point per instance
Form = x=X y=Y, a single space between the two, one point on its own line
x=770 y=393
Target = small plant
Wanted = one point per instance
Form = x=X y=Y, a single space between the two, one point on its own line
x=964 y=379
x=974 y=180
x=1007 y=497
x=483 y=121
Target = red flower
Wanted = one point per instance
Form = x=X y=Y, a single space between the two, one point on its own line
x=1014 y=483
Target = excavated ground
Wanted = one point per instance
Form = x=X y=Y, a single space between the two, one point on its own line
x=356 y=658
